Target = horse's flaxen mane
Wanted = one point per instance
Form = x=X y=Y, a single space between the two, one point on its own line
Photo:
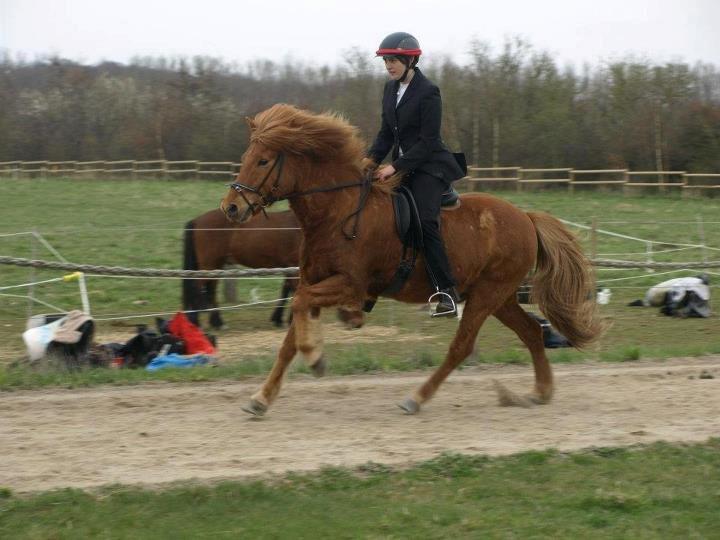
x=324 y=137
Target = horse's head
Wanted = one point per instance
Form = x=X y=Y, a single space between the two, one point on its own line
x=259 y=181
x=289 y=149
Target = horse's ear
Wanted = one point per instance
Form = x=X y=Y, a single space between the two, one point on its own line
x=251 y=123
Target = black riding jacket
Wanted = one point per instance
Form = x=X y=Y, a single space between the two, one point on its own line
x=414 y=124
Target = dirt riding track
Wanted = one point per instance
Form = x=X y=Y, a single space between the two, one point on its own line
x=153 y=434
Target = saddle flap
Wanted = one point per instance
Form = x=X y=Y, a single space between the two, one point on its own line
x=407 y=221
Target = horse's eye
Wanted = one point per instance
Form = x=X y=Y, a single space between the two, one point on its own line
x=263 y=162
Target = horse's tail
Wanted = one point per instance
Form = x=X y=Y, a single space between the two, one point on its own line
x=564 y=284
x=190 y=291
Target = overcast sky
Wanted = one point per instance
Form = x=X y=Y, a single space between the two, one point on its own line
x=317 y=31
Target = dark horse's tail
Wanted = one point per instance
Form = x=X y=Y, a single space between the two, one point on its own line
x=191 y=294
x=564 y=286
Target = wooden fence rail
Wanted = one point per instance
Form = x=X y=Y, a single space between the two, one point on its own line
x=517 y=178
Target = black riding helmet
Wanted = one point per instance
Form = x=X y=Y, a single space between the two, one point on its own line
x=405 y=47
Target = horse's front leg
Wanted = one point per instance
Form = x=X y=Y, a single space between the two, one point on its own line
x=304 y=337
x=261 y=400
x=333 y=291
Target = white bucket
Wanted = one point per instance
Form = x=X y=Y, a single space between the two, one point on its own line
x=603 y=296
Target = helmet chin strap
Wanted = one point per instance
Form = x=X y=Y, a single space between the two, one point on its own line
x=408 y=66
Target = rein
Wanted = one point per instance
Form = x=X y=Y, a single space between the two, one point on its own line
x=266 y=200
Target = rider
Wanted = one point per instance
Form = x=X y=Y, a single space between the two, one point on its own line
x=411 y=117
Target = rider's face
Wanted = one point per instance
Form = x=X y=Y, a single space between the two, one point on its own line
x=395 y=67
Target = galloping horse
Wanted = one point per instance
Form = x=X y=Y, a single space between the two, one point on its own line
x=314 y=161
x=211 y=242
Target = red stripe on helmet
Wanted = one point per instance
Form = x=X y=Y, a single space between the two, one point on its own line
x=398 y=52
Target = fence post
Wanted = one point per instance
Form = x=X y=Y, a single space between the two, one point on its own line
x=701 y=234
x=593 y=238
x=571 y=183
x=31 y=287
x=230 y=290
x=649 y=256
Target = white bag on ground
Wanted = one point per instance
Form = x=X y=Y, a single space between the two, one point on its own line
x=38 y=338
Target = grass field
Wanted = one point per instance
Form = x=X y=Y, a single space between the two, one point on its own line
x=656 y=491
x=139 y=224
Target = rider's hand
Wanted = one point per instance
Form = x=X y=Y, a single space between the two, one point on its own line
x=386 y=172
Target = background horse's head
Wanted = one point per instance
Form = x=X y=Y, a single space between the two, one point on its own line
x=291 y=150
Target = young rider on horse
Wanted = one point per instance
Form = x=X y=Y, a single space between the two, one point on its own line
x=411 y=118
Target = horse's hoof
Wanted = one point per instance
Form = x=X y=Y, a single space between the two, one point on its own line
x=319 y=368
x=410 y=406
x=537 y=399
x=255 y=408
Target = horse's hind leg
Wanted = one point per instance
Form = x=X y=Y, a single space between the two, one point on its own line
x=530 y=332
x=481 y=302
x=211 y=302
x=277 y=315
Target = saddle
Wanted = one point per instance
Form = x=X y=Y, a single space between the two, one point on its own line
x=407 y=221
x=409 y=231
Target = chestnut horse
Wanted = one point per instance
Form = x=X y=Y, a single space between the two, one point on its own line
x=211 y=242
x=314 y=161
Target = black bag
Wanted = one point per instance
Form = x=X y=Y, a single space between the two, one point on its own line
x=73 y=354
x=460 y=158
x=690 y=305
x=146 y=344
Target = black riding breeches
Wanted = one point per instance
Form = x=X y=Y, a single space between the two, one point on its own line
x=427 y=191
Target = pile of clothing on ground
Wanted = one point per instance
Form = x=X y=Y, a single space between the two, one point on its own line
x=680 y=297
x=68 y=339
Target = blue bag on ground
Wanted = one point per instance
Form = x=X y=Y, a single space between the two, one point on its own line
x=177 y=360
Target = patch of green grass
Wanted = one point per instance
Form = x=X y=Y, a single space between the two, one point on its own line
x=656 y=491
x=357 y=361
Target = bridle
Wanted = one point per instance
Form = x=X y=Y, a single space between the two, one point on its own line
x=267 y=199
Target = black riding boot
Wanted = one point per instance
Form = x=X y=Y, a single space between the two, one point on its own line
x=427 y=191
x=448 y=300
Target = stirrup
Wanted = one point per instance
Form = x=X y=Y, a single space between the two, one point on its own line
x=451 y=313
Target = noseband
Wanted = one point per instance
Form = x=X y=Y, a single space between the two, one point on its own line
x=268 y=199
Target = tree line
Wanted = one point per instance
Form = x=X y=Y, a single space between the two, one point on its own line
x=512 y=106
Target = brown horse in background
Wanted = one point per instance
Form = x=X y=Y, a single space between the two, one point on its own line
x=211 y=242
x=314 y=161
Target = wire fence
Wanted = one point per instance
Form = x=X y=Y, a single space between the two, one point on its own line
x=80 y=271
